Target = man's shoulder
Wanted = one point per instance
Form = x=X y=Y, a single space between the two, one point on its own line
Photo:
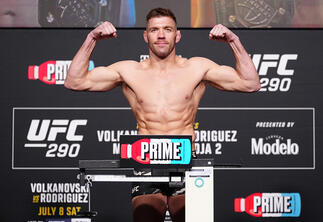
x=199 y=60
x=203 y=62
x=125 y=63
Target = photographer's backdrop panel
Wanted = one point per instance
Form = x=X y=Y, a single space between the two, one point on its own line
x=265 y=142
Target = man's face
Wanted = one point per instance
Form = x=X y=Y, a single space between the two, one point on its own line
x=161 y=35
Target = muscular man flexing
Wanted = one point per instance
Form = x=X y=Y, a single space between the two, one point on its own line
x=163 y=91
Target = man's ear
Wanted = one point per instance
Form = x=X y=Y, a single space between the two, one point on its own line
x=145 y=36
x=178 y=36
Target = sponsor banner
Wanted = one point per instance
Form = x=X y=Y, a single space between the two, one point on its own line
x=276 y=71
x=156 y=151
x=270 y=205
x=256 y=138
x=52 y=72
x=58 y=138
x=269 y=138
x=58 y=199
x=266 y=138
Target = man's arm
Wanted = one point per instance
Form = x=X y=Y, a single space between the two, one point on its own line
x=100 y=78
x=244 y=78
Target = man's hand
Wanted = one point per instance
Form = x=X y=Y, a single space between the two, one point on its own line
x=222 y=33
x=104 y=31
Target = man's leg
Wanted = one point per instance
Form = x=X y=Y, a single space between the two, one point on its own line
x=149 y=208
x=176 y=207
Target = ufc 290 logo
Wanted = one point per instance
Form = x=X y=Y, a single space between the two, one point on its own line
x=275 y=71
x=45 y=133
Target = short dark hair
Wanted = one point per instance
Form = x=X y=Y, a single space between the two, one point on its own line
x=159 y=12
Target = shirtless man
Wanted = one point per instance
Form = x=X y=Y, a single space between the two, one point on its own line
x=163 y=91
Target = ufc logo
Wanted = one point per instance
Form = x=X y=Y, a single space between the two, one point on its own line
x=40 y=130
x=266 y=61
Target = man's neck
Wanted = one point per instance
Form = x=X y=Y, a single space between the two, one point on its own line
x=162 y=63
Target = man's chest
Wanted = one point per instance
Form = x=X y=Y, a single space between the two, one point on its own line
x=171 y=87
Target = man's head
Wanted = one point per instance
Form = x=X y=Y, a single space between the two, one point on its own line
x=160 y=12
x=161 y=32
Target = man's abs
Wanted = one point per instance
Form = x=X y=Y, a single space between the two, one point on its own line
x=166 y=119
x=178 y=131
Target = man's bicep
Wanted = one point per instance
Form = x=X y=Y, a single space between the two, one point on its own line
x=103 y=78
x=222 y=77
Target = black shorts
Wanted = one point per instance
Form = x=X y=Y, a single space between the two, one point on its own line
x=143 y=188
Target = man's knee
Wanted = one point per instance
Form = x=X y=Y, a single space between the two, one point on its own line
x=176 y=206
x=150 y=207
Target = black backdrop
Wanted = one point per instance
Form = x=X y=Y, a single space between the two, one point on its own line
x=290 y=98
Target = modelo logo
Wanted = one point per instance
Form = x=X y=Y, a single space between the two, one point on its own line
x=274 y=64
x=270 y=204
x=42 y=133
x=52 y=72
x=259 y=147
